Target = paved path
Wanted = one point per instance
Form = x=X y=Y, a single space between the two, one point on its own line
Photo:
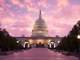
x=37 y=54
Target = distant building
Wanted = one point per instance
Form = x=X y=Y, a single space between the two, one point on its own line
x=40 y=28
x=40 y=33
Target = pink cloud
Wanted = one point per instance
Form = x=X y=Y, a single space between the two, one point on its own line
x=7 y=21
x=59 y=17
x=62 y=3
x=16 y=2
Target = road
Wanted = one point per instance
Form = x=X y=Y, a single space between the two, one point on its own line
x=37 y=54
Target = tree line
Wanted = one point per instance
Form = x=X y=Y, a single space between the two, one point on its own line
x=7 y=42
x=71 y=42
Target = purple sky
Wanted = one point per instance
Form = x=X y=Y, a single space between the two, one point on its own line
x=18 y=16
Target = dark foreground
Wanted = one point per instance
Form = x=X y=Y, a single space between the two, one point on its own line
x=37 y=54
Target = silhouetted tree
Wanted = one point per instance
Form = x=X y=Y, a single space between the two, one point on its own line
x=71 y=43
x=6 y=41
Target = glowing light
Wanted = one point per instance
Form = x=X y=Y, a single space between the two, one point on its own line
x=49 y=40
x=26 y=42
x=30 y=41
x=52 y=43
x=58 y=41
x=28 y=45
x=40 y=41
x=17 y=41
x=50 y=46
x=78 y=36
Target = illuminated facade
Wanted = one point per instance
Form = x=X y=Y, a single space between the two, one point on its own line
x=39 y=28
x=40 y=34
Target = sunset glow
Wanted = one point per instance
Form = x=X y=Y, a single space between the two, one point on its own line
x=19 y=16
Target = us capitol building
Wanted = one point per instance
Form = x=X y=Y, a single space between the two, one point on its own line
x=40 y=28
x=39 y=33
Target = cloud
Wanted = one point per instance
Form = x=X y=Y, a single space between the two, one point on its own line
x=62 y=3
x=7 y=21
x=59 y=15
x=75 y=2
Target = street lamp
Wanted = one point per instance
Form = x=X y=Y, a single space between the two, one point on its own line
x=17 y=41
x=58 y=42
x=78 y=36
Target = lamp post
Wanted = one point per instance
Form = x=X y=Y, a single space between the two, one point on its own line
x=78 y=37
x=17 y=41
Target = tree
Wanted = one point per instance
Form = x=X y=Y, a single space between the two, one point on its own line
x=6 y=41
x=71 y=43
